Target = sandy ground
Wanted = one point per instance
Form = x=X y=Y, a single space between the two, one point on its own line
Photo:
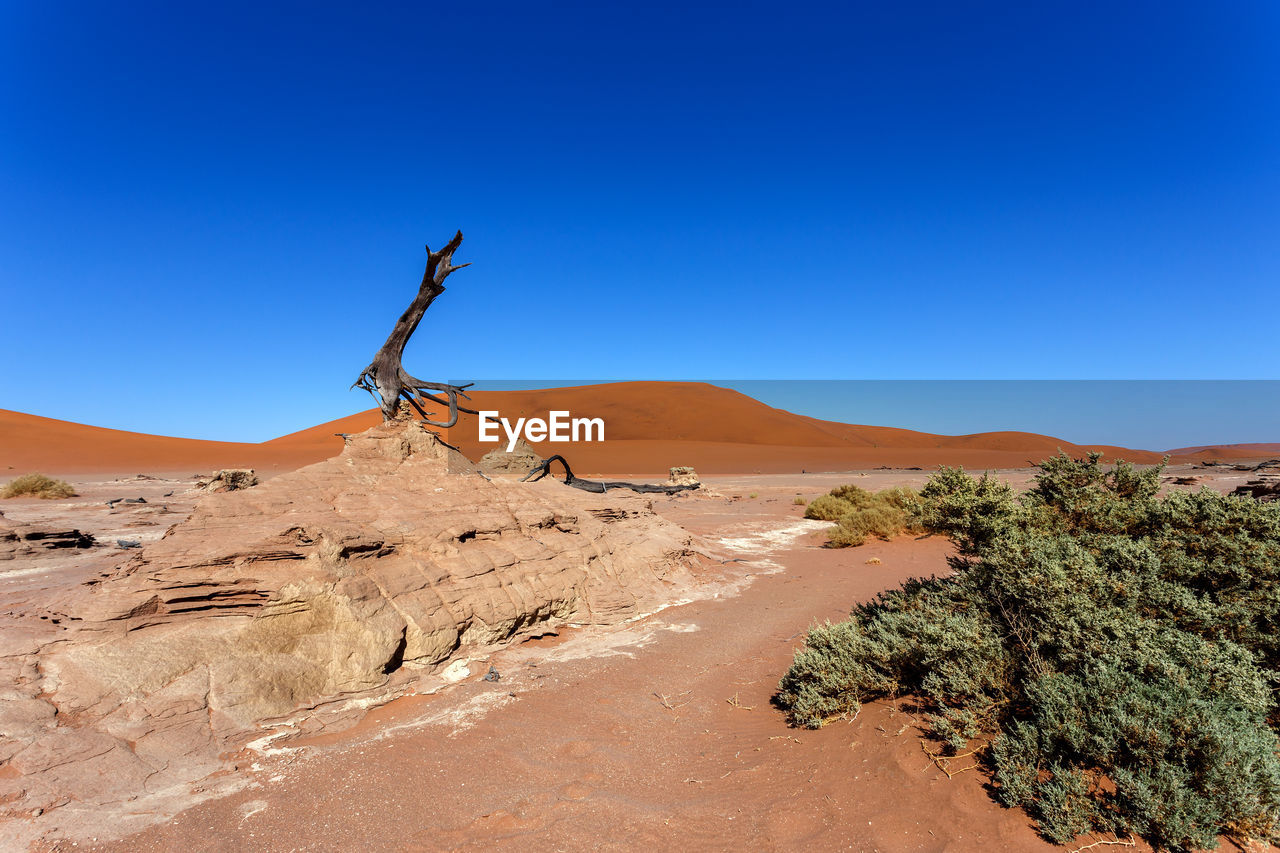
x=659 y=733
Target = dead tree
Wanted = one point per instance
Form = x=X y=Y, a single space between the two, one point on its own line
x=387 y=380
x=600 y=485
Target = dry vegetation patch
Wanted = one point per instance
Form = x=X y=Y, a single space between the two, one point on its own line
x=37 y=486
x=860 y=514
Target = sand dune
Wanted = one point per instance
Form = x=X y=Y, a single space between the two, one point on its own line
x=33 y=443
x=1228 y=451
x=650 y=426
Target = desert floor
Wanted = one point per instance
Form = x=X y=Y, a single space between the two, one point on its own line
x=658 y=733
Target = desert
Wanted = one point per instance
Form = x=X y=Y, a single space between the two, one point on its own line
x=269 y=666
x=843 y=426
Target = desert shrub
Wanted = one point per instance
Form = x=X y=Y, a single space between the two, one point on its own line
x=841 y=536
x=860 y=514
x=970 y=511
x=1117 y=651
x=855 y=495
x=38 y=486
x=799 y=501
x=827 y=508
x=880 y=520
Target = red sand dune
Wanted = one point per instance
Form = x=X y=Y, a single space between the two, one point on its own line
x=33 y=443
x=1228 y=451
x=650 y=426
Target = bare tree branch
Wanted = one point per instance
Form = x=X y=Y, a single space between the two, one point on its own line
x=385 y=378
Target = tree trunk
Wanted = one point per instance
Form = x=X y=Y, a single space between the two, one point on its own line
x=386 y=379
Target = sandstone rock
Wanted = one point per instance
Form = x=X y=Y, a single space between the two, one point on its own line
x=27 y=540
x=354 y=576
x=1266 y=489
x=515 y=464
x=229 y=480
x=683 y=476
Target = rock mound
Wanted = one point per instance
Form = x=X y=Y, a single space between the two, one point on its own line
x=355 y=576
x=229 y=480
x=682 y=475
x=516 y=463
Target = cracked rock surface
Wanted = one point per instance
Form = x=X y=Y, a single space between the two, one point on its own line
x=27 y=540
x=354 y=578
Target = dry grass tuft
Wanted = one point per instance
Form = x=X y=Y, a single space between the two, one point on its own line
x=38 y=486
x=860 y=514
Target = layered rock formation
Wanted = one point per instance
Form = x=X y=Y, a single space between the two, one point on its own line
x=351 y=577
x=1266 y=488
x=29 y=540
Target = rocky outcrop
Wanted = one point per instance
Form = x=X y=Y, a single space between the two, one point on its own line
x=229 y=480
x=1265 y=489
x=354 y=577
x=682 y=475
x=27 y=540
x=515 y=464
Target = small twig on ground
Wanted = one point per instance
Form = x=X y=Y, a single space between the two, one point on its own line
x=943 y=762
x=894 y=711
x=733 y=700
x=665 y=701
x=1117 y=842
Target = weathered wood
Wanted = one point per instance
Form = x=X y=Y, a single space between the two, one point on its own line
x=599 y=486
x=385 y=378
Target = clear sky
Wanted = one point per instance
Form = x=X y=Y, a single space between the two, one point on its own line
x=1147 y=414
x=211 y=214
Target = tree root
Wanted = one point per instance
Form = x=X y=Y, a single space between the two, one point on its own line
x=600 y=486
x=1105 y=842
x=417 y=393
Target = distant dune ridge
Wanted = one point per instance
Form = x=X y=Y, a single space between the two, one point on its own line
x=1228 y=451
x=650 y=426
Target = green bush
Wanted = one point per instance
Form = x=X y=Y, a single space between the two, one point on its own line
x=827 y=508
x=39 y=486
x=1118 y=651
x=860 y=514
x=881 y=521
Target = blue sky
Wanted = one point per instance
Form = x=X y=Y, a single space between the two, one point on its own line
x=1148 y=414
x=211 y=215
